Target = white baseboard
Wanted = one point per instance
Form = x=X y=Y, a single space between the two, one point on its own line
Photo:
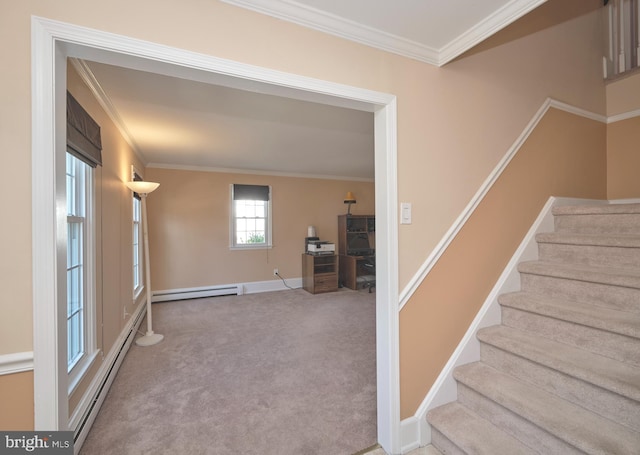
x=416 y=432
x=625 y=201
x=87 y=409
x=252 y=287
x=16 y=362
x=197 y=292
x=272 y=285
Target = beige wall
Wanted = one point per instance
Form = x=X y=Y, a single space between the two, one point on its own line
x=623 y=138
x=189 y=225
x=564 y=156
x=16 y=396
x=623 y=159
x=454 y=123
x=623 y=94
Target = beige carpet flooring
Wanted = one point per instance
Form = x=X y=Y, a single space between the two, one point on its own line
x=274 y=373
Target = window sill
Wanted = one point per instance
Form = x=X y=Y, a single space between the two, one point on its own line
x=251 y=247
x=78 y=372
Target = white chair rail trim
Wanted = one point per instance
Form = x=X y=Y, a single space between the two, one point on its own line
x=16 y=362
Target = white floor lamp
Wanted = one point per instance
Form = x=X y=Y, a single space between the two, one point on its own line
x=143 y=189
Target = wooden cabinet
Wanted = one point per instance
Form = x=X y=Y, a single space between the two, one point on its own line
x=319 y=273
x=356 y=249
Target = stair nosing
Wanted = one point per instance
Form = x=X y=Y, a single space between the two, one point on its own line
x=596 y=209
x=597 y=240
x=486 y=424
x=613 y=276
x=627 y=323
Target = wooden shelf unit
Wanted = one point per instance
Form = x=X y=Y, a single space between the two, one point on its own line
x=356 y=245
x=319 y=273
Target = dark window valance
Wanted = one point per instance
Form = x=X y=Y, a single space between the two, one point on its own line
x=250 y=192
x=83 y=134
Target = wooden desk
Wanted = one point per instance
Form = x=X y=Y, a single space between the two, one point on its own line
x=351 y=267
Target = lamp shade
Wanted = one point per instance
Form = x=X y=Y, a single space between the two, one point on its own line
x=141 y=187
x=349 y=198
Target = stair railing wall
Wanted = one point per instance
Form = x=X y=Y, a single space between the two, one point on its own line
x=622 y=37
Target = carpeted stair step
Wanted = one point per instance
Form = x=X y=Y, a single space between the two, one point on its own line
x=538 y=418
x=471 y=433
x=595 y=219
x=600 y=384
x=590 y=249
x=602 y=330
x=617 y=288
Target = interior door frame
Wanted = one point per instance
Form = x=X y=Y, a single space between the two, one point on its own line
x=52 y=43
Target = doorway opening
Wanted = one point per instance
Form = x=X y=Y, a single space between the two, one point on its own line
x=52 y=43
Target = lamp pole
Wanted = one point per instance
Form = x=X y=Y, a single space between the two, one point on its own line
x=143 y=189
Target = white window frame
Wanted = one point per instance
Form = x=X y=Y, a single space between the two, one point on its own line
x=84 y=213
x=136 y=213
x=138 y=267
x=232 y=225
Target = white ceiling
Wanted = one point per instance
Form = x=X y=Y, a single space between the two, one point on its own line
x=184 y=122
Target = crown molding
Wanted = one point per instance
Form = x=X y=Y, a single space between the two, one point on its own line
x=498 y=20
x=322 y=21
x=223 y=170
x=305 y=16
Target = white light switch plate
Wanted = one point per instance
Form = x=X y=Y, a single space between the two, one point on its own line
x=405 y=213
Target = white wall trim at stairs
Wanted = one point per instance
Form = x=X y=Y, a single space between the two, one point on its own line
x=16 y=362
x=87 y=409
x=623 y=116
x=457 y=225
x=415 y=429
x=253 y=287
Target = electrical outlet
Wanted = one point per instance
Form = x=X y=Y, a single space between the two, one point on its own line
x=275 y=272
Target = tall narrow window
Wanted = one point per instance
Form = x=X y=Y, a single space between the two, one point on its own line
x=250 y=216
x=137 y=242
x=81 y=344
x=83 y=155
x=77 y=175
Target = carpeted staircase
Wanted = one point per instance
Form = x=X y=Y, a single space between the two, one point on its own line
x=561 y=374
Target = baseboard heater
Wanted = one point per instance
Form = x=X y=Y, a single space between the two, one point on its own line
x=195 y=293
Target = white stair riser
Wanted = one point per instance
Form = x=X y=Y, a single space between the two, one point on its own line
x=616 y=297
x=444 y=444
x=597 y=399
x=597 y=256
x=529 y=434
x=613 y=345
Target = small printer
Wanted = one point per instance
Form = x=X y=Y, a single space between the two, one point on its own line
x=320 y=247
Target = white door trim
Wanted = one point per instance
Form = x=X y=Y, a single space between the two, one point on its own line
x=52 y=43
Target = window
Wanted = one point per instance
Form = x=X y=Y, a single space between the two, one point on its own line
x=137 y=239
x=250 y=216
x=80 y=269
x=137 y=246
x=84 y=153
